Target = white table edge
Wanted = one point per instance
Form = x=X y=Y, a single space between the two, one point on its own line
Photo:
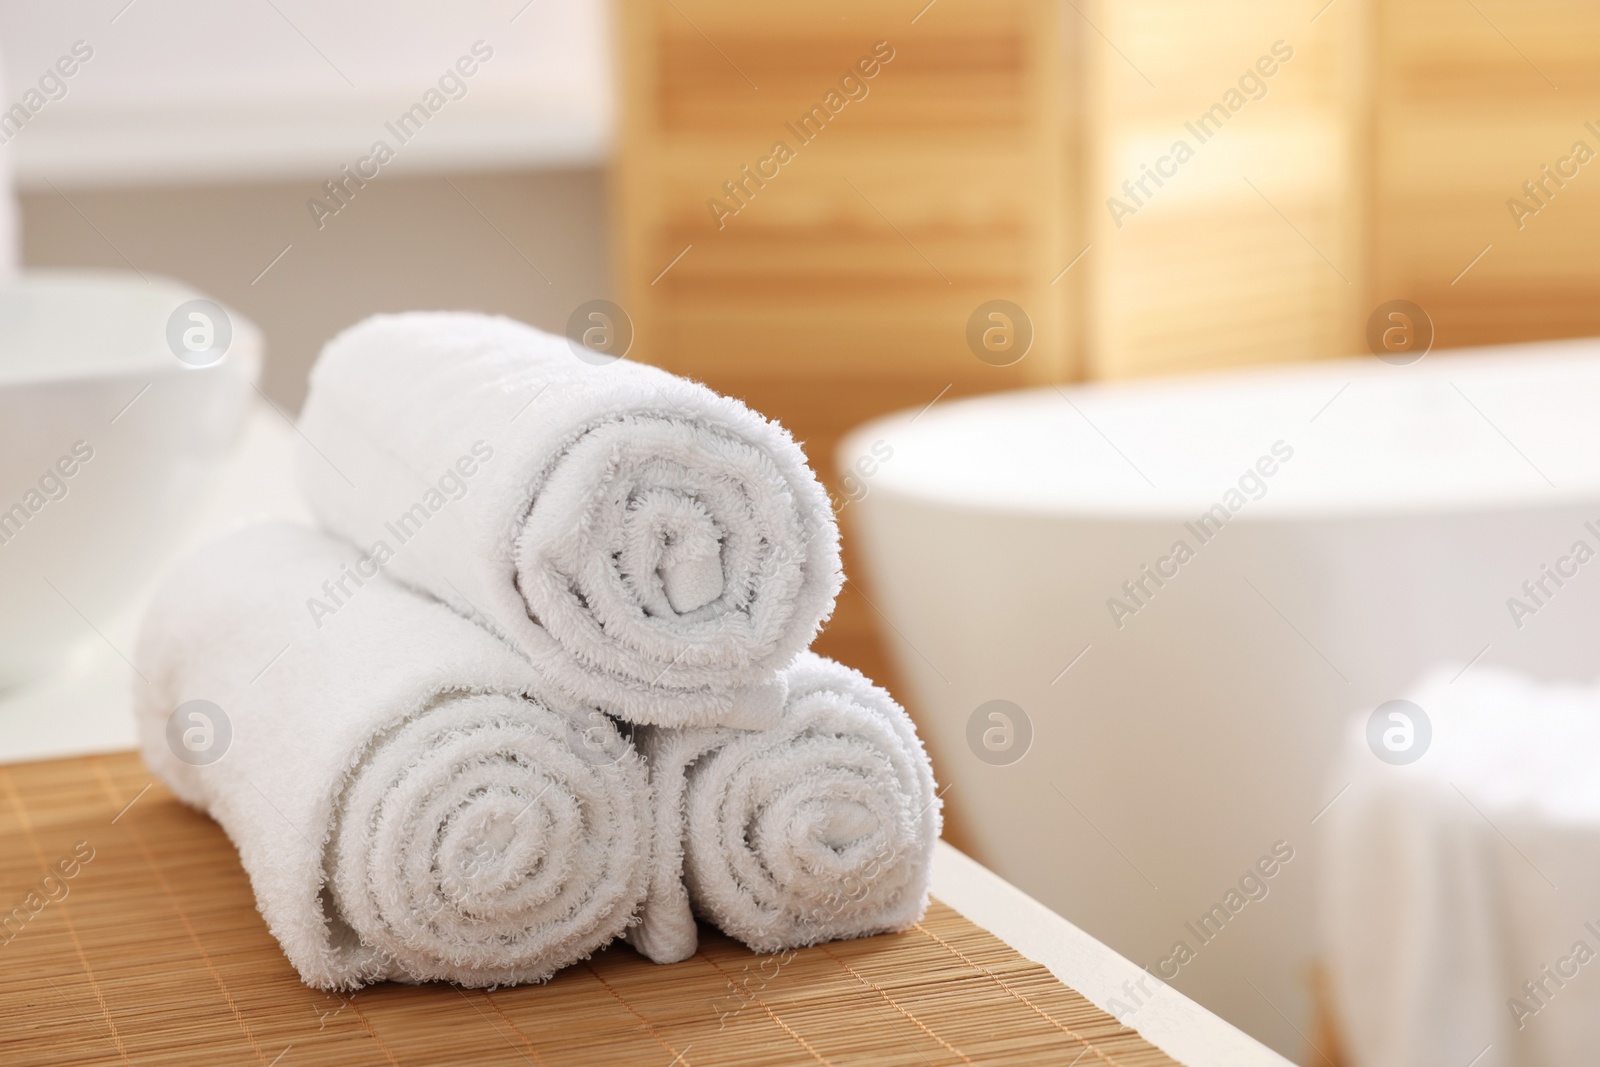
x=1169 y=1020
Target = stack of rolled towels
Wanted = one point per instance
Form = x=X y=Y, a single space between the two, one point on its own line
x=540 y=681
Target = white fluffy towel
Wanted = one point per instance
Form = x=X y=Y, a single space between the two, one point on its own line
x=1461 y=891
x=656 y=549
x=822 y=827
x=408 y=801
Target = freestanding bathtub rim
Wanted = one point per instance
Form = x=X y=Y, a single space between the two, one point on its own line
x=1474 y=430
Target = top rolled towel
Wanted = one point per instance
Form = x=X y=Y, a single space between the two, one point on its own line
x=655 y=549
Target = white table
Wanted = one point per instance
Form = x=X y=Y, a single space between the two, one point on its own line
x=1169 y=1020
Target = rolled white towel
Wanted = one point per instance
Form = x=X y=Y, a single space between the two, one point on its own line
x=408 y=801
x=820 y=828
x=656 y=549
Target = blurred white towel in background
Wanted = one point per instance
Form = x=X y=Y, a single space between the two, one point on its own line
x=1461 y=910
x=819 y=828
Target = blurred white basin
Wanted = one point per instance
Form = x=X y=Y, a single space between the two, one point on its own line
x=1192 y=734
x=107 y=442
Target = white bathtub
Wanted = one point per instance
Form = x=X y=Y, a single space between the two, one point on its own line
x=1191 y=735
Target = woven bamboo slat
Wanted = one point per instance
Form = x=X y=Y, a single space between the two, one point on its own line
x=155 y=954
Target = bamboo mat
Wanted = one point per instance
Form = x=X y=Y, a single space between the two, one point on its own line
x=156 y=955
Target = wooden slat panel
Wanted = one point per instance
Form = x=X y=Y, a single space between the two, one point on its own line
x=1468 y=105
x=942 y=82
x=942 y=187
x=1252 y=251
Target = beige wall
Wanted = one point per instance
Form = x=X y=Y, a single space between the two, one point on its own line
x=401 y=243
